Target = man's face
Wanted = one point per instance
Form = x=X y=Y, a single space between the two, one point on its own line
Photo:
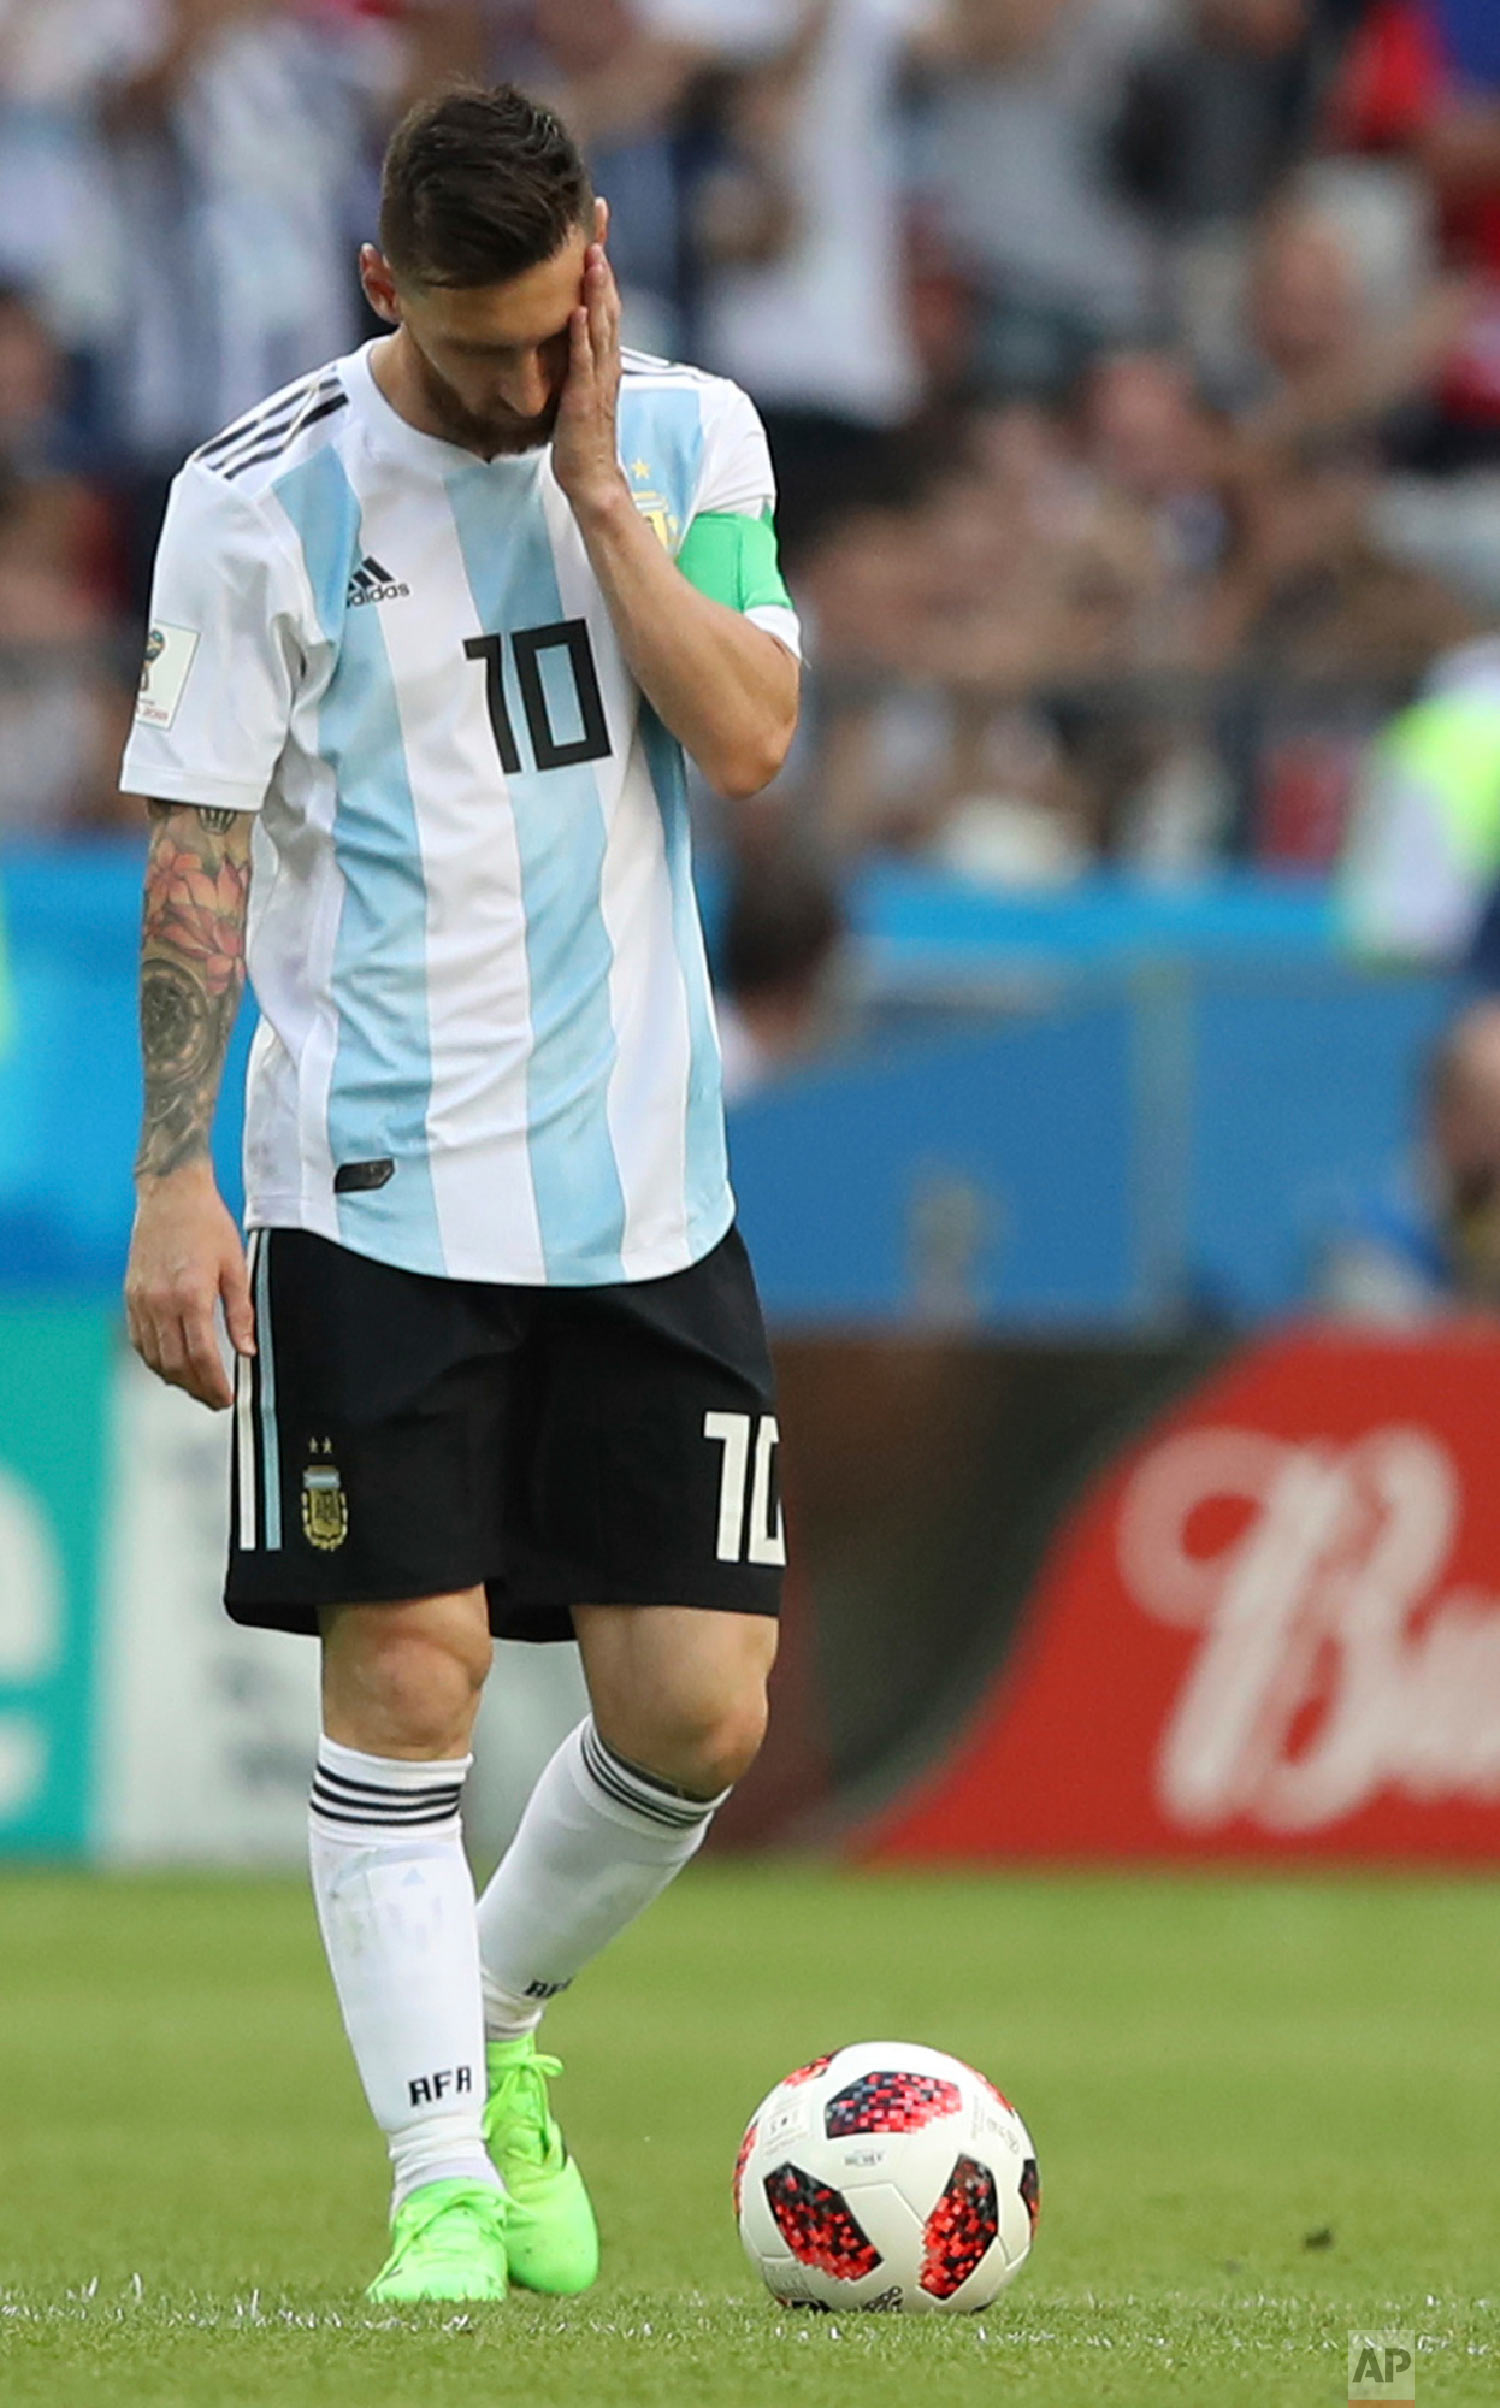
x=491 y=359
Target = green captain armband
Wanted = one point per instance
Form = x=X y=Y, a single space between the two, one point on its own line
x=733 y=560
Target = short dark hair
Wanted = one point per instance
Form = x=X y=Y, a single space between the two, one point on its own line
x=480 y=183
x=783 y=922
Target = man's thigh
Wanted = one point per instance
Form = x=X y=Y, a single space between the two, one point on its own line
x=645 y=1470
x=369 y=1434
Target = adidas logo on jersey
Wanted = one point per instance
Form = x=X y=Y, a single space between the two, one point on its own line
x=371 y=583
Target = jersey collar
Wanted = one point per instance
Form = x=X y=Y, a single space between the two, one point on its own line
x=398 y=439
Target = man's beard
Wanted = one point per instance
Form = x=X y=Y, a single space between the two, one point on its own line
x=491 y=436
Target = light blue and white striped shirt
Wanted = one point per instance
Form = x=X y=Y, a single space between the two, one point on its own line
x=487 y=1046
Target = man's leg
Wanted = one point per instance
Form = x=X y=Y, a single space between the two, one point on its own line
x=679 y=1711
x=648 y=1471
x=401 y=1685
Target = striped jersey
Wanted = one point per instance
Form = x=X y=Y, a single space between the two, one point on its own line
x=486 y=1047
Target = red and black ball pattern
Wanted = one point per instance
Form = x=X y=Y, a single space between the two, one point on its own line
x=816 y=2224
x=890 y=2103
x=807 y=2073
x=962 y=2226
x=1030 y=2187
x=746 y=2145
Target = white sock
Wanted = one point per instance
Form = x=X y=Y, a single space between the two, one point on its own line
x=396 y=1907
x=598 y=1841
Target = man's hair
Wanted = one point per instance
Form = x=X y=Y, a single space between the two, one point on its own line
x=783 y=923
x=479 y=185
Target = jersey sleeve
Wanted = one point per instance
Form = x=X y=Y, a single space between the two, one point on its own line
x=223 y=652
x=738 y=565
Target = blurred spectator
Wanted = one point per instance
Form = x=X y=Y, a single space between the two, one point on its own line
x=1323 y=628
x=57 y=231
x=1309 y=591
x=1084 y=361
x=626 y=92
x=1423 y=82
x=943 y=622
x=1348 y=326
x=1423 y=849
x=1436 y=1250
x=1217 y=107
x=1014 y=162
x=236 y=134
x=778 y=956
x=1147 y=437
x=64 y=708
x=1217 y=110
x=802 y=295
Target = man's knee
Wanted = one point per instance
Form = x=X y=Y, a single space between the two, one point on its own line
x=677 y=1692
x=405 y=1680
x=692 y=1749
x=702 y=1745
x=732 y=1744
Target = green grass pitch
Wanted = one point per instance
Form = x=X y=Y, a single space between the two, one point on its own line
x=1267 y=2111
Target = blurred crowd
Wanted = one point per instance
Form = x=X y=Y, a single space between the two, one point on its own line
x=1131 y=367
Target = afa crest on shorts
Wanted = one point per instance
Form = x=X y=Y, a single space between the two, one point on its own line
x=325 y=1507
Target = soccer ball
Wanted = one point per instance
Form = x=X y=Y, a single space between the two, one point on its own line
x=886 y=2176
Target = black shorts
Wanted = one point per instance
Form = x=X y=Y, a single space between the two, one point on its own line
x=400 y=1436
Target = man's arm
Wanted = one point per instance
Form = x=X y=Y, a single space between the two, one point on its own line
x=725 y=687
x=185 y=1253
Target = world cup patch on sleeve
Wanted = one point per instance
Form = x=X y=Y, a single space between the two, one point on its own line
x=164 y=672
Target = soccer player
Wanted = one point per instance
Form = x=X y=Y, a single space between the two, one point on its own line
x=432 y=631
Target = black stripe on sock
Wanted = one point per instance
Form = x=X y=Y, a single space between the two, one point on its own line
x=621 y=1781
x=395 y=1806
x=385 y=1789
x=628 y=1787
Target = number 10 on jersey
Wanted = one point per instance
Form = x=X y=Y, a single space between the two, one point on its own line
x=528 y=646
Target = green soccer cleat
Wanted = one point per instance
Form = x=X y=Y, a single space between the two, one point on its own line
x=550 y=2234
x=447 y=2242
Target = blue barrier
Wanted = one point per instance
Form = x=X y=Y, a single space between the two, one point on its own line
x=1187 y=1094
x=1152 y=1148
x=915 y=922
x=70 y=1083
x=975 y=1177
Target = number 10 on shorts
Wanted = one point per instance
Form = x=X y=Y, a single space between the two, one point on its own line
x=764 y=1541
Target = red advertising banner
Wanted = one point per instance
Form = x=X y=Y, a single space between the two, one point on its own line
x=1271 y=1629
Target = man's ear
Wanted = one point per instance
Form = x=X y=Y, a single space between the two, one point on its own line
x=379 y=284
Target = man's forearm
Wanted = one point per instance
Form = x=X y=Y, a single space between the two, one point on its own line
x=726 y=689
x=192 y=974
